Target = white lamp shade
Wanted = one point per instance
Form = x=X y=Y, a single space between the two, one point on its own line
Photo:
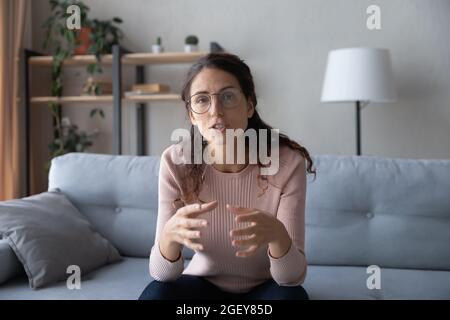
x=358 y=74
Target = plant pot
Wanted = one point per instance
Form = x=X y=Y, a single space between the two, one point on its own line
x=190 y=47
x=83 y=42
x=156 y=48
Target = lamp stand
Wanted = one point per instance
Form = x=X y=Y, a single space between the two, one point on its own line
x=358 y=128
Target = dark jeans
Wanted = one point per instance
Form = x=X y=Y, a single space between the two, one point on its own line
x=188 y=287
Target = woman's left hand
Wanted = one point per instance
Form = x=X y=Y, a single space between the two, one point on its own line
x=263 y=229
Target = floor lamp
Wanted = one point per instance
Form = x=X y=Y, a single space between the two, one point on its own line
x=358 y=75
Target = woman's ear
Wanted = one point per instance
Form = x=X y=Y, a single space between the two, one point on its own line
x=191 y=117
x=250 y=109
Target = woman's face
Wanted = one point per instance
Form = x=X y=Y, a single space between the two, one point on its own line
x=222 y=111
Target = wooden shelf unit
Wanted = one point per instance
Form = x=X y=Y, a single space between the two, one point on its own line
x=108 y=98
x=73 y=61
x=161 y=58
x=120 y=57
x=153 y=97
x=72 y=99
x=127 y=59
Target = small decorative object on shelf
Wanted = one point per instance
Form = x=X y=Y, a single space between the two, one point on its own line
x=151 y=87
x=147 y=88
x=94 y=87
x=83 y=41
x=191 y=43
x=157 y=48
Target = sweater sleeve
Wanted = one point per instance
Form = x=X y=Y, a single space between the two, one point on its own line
x=290 y=269
x=162 y=269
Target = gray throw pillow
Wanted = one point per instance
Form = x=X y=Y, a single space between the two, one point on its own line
x=9 y=265
x=48 y=234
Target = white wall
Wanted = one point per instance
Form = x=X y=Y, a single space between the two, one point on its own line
x=286 y=45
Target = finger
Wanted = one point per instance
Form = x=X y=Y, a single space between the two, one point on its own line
x=245 y=242
x=193 y=223
x=246 y=253
x=240 y=210
x=195 y=209
x=249 y=217
x=194 y=246
x=190 y=234
x=243 y=231
x=191 y=245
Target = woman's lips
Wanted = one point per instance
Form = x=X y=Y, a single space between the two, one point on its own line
x=222 y=130
x=219 y=127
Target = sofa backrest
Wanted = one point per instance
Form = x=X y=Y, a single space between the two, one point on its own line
x=118 y=195
x=359 y=211
x=364 y=210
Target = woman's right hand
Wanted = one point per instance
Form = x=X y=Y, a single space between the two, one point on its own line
x=181 y=229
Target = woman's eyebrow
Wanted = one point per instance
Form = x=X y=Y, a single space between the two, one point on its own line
x=204 y=91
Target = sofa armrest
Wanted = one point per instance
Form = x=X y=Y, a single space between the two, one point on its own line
x=10 y=266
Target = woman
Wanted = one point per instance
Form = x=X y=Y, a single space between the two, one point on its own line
x=247 y=229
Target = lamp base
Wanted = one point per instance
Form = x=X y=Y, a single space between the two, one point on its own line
x=358 y=128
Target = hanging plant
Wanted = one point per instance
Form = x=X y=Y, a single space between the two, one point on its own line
x=62 y=42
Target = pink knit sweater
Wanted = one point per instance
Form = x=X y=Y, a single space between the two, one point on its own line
x=217 y=263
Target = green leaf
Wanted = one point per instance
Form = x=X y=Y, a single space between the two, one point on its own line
x=53 y=4
x=71 y=36
x=91 y=68
x=47 y=23
x=54 y=107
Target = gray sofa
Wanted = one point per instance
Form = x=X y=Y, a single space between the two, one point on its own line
x=360 y=211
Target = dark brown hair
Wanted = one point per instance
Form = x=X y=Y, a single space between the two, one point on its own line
x=238 y=68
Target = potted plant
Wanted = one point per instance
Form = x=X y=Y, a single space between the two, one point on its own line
x=71 y=139
x=62 y=42
x=191 y=43
x=157 y=48
x=83 y=41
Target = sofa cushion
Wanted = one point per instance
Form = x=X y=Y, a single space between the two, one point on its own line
x=117 y=193
x=368 y=210
x=348 y=282
x=128 y=278
x=48 y=234
x=123 y=280
x=9 y=264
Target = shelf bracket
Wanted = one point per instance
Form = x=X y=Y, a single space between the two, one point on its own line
x=117 y=99
x=140 y=115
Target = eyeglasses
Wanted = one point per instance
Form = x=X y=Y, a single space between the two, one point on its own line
x=201 y=102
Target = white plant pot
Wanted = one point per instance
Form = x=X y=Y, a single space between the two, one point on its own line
x=156 y=48
x=190 y=48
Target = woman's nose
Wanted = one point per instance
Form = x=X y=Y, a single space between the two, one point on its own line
x=216 y=106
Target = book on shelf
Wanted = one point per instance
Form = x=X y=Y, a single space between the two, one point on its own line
x=149 y=88
x=142 y=93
